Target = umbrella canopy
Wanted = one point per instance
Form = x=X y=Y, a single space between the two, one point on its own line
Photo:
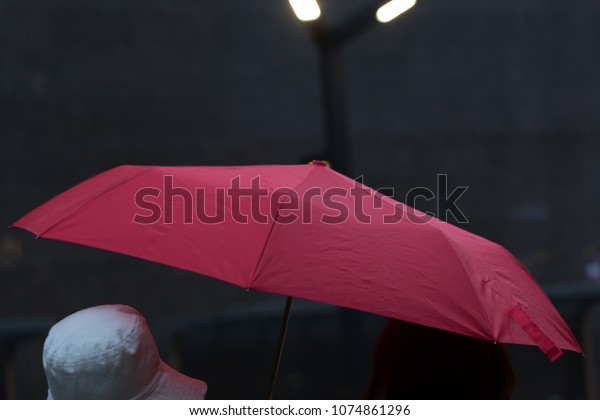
x=309 y=232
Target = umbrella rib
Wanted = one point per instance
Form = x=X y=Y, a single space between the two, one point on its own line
x=89 y=200
x=470 y=279
x=262 y=251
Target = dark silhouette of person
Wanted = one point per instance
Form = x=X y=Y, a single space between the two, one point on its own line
x=412 y=361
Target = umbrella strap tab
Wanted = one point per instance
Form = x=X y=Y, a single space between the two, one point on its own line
x=534 y=332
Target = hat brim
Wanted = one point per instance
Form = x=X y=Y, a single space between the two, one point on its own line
x=172 y=385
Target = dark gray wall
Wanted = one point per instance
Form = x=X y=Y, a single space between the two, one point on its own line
x=501 y=96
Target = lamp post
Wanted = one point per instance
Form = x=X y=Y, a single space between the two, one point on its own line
x=329 y=42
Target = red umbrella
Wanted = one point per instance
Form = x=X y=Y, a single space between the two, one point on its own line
x=309 y=232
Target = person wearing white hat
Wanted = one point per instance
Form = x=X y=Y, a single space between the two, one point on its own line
x=108 y=352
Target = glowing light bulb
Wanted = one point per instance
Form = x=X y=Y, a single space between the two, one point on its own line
x=393 y=9
x=306 y=10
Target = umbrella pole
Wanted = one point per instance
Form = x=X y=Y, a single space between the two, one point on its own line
x=280 y=343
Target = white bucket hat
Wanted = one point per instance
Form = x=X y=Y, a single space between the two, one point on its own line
x=107 y=352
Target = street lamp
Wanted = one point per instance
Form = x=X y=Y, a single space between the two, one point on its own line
x=329 y=41
x=308 y=10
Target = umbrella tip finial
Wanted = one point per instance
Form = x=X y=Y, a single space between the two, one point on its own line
x=248 y=289
x=321 y=163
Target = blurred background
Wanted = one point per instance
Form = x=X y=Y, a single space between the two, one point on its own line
x=500 y=96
